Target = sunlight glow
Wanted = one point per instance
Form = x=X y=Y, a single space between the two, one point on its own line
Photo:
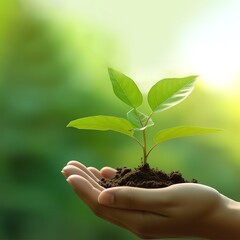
x=153 y=44
x=213 y=48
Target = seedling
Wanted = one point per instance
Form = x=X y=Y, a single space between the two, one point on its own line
x=165 y=94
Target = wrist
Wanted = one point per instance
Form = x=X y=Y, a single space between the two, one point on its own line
x=224 y=222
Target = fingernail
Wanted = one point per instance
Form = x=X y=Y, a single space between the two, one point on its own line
x=64 y=173
x=69 y=181
x=106 y=198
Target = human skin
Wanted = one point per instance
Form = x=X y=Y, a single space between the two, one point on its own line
x=181 y=210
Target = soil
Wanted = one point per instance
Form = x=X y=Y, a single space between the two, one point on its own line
x=144 y=177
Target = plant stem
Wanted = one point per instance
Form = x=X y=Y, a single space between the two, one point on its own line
x=138 y=142
x=148 y=119
x=145 y=154
x=144 y=138
x=151 y=150
x=139 y=117
x=144 y=147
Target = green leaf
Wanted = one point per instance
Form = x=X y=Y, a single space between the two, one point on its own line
x=138 y=119
x=168 y=92
x=182 y=131
x=103 y=123
x=125 y=88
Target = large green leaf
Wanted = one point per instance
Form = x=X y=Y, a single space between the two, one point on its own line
x=138 y=119
x=182 y=131
x=125 y=88
x=103 y=123
x=169 y=91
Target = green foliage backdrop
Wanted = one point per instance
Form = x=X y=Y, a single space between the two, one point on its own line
x=45 y=82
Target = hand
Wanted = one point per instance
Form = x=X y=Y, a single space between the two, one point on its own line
x=181 y=210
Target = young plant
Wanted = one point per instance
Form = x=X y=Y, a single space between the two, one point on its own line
x=165 y=94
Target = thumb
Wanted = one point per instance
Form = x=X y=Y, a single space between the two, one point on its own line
x=135 y=198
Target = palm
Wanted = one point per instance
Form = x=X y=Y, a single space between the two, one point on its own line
x=179 y=210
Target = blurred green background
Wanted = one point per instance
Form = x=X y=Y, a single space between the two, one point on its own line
x=53 y=61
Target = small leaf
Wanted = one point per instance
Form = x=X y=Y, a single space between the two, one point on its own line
x=125 y=88
x=169 y=91
x=138 y=119
x=103 y=123
x=182 y=131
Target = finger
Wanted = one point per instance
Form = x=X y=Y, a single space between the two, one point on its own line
x=72 y=170
x=144 y=224
x=83 y=188
x=83 y=168
x=132 y=198
x=89 y=195
x=96 y=172
x=108 y=172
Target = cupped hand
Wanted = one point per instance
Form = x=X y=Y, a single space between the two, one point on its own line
x=181 y=210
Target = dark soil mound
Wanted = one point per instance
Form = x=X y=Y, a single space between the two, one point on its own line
x=144 y=177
